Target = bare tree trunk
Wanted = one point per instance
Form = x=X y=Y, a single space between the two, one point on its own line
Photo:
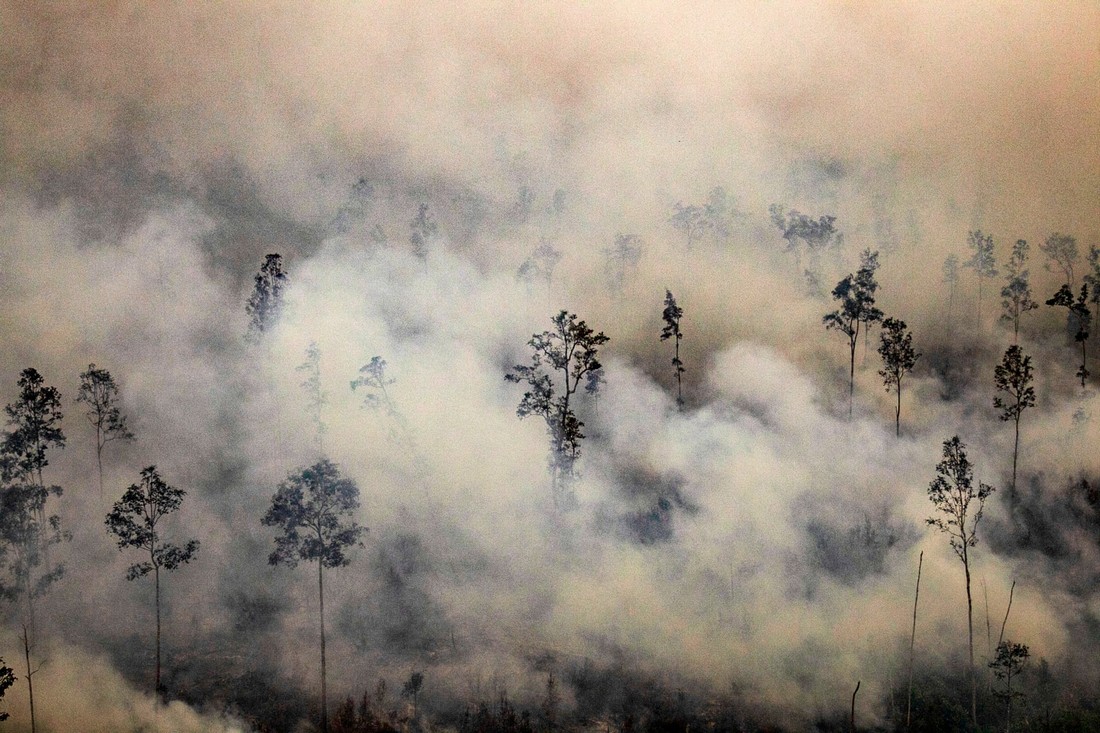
x=99 y=463
x=897 y=413
x=852 y=721
x=970 y=629
x=1015 y=455
x=1007 y=611
x=324 y=689
x=156 y=583
x=852 y=374
x=912 y=643
x=30 y=673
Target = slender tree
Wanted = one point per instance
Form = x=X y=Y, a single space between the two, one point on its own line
x=913 y=643
x=266 y=302
x=562 y=359
x=951 y=279
x=982 y=261
x=672 y=315
x=314 y=508
x=898 y=359
x=372 y=377
x=99 y=391
x=1013 y=377
x=25 y=572
x=621 y=259
x=1079 y=317
x=36 y=419
x=1061 y=252
x=1016 y=297
x=953 y=496
x=315 y=396
x=865 y=278
x=1007 y=664
x=689 y=221
x=135 y=521
x=857 y=306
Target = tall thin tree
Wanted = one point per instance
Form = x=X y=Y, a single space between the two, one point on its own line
x=953 y=495
x=672 y=315
x=898 y=359
x=857 y=306
x=1013 y=376
x=99 y=391
x=315 y=396
x=1016 y=297
x=314 y=508
x=135 y=521
x=982 y=261
x=561 y=360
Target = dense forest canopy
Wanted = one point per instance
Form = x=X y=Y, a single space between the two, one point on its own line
x=240 y=243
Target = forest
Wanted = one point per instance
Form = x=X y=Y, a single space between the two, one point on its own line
x=477 y=367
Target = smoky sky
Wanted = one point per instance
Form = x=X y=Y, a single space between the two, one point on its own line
x=757 y=546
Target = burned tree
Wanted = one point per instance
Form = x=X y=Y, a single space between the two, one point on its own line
x=135 y=522
x=99 y=391
x=562 y=359
x=898 y=359
x=672 y=315
x=314 y=508
x=953 y=496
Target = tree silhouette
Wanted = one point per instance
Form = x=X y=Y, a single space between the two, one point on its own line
x=865 y=279
x=541 y=263
x=1061 y=252
x=99 y=391
x=134 y=521
x=816 y=235
x=314 y=508
x=1013 y=376
x=672 y=315
x=24 y=539
x=562 y=359
x=1009 y=663
x=7 y=679
x=621 y=259
x=1016 y=297
x=266 y=302
x=315 y=396
x=1079 y=318
x=857 y=306
x=898 y=359
x=411 y=689
x=952 y=493
x=36 y=417
x=982 y=261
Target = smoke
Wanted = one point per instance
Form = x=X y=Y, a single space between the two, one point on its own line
x=757 y=547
